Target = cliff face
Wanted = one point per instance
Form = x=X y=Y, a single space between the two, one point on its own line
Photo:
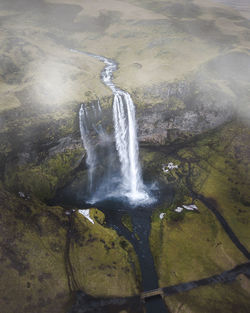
x=205 y=100
x=186 y=65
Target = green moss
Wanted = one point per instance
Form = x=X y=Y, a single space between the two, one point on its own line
x=231 y=297
x=192 y=247
x=222 y=173
x=104 y=263
x=32 y=253
x=42 y=180
x=97 y=215
x=175 y=104
x=41 y=251
x=187 y=245
x=127 y=222
x=153 y=162
x=172 y=216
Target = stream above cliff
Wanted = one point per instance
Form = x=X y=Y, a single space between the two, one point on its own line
x=70 y=239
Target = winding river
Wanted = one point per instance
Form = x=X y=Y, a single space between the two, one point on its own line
x=129 y=182
x=140 y=214
x=138 y=198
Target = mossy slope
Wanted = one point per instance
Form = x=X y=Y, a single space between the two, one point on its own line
x=33 y=239
x=43 y=250
x=106 y=261
x=231 y=297
x=222 y=174
x=42 y=179
x=192 y=245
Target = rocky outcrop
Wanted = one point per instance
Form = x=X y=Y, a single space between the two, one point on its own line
x=168 y=112
x=186 y=66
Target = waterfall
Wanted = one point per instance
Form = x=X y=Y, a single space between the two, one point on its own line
x=92 y=132
x=126 y=142
x=86 y=139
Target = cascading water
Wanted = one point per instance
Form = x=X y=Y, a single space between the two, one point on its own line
x=130 y=182
x=127 y=145
x=85 y=136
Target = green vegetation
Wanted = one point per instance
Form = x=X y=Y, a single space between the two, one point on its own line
x=97 y=215
x=32 y=250
x=42 y=180
x=127 y=222
x=231 y=297
x=192 y=245
x=43 y=251
x=178 y=56
x=219 y=169
x=104 y=263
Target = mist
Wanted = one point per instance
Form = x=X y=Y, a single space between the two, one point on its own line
x=124 y=156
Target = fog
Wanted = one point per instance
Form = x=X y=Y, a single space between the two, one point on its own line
x=155 y=43
x=165 y=126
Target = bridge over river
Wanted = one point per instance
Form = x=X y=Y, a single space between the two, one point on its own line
x=224 y=277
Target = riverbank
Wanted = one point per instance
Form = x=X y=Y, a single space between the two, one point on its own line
x=186 y=67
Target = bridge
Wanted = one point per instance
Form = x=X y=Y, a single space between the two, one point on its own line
x=227 y=276
x=152 y=293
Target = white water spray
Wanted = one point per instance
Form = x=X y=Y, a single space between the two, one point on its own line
x=125 y=137
x=85 y=136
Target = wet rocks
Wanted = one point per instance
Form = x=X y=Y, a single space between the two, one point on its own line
x=186 y=108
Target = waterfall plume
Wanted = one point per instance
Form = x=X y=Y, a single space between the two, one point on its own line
x=129 y=184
